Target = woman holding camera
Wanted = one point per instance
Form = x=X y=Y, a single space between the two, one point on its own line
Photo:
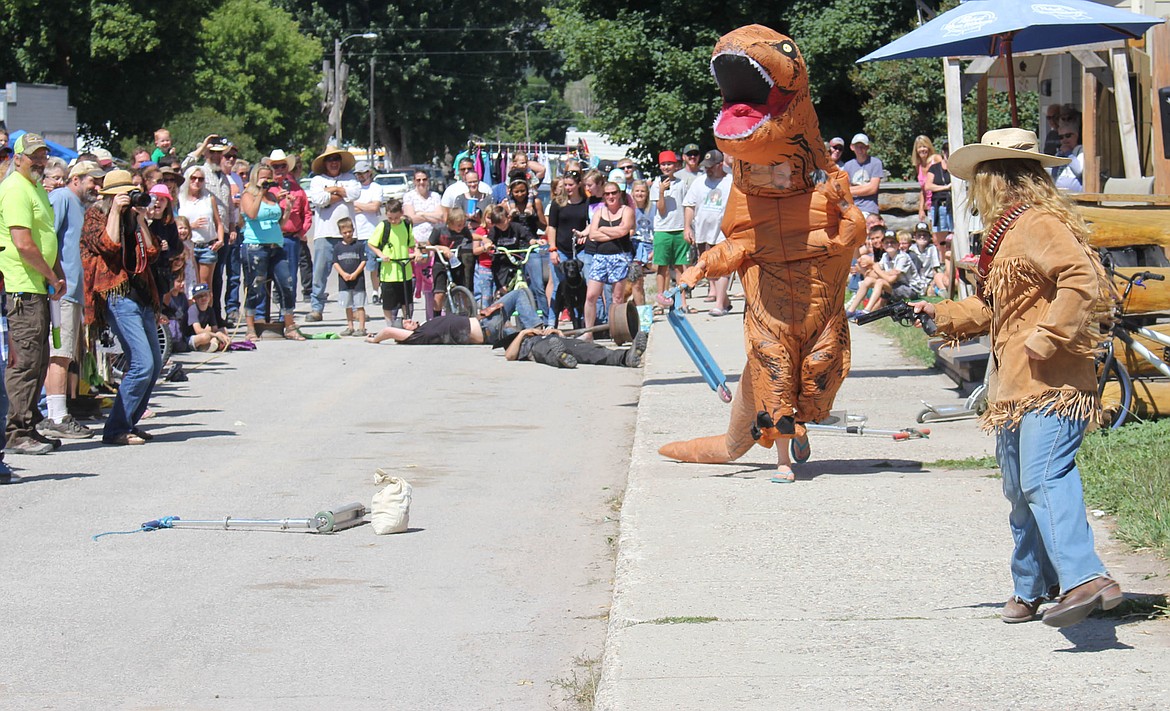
x=117 y=249
x=264 y=255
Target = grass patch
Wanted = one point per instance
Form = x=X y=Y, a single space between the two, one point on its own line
x=1126 y=472
x=581 y=687
x=984 y=462
x=681 y=621
x=913 y=343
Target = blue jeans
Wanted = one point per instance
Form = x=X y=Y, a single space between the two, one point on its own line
x=292 y=255
x=495 y=326
x=534 y=273
x=227 y=276
x=3 y=405
x=1054 y=543
x=264 y=261
x=322 y=267
x=485 y=286
x=136 y=328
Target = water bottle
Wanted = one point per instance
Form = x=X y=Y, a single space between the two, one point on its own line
x=55 y=319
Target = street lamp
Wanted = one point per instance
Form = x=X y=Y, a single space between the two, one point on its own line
x=539 y=102
x=338 y=79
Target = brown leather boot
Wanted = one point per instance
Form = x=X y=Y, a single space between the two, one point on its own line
x=1075 y=606
x=1017 y=610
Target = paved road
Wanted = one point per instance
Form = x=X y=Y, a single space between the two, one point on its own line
x=504 y=580
x=873 y=582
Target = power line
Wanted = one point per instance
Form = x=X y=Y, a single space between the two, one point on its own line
x=467 y=51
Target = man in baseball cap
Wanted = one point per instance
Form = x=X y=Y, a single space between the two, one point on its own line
x=865 y=175
x=691 y=156
x=711 y=158
x=30 y=265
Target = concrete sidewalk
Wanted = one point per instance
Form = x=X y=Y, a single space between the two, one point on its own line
x=872 y=582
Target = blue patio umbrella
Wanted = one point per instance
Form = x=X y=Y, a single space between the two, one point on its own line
x=999 y=27
x=55 y=149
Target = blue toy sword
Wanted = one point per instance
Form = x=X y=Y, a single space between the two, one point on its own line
x=693 y=345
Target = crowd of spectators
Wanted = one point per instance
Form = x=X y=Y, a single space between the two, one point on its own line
x=210 y=246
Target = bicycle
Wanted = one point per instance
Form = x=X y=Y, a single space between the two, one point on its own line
x=1110 y=369
x=110 y=349
x=518 y=258
x=459 y=300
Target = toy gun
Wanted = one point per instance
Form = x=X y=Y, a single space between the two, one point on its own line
x=901 y=312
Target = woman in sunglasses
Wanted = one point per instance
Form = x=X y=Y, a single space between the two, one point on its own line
x=609 y=233
x=198 y=205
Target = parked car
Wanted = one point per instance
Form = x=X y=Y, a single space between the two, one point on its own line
x=395 y=183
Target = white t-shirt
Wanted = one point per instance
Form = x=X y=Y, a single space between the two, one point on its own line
x=709 y=198
x=422 y=229
x=673 y=221
x=364 y=223
x=325 y=212
x=199 y=209
x=454 y=192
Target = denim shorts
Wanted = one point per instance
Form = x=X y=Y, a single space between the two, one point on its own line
x=351 y=298
x=609 y=268
x=942 y=219
x=206 y=255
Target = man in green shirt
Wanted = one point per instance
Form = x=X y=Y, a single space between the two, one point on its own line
x=31 y=268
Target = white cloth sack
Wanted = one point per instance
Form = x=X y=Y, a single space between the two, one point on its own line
x=390 y=509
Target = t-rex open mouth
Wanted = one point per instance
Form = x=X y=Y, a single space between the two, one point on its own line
x=750 y=97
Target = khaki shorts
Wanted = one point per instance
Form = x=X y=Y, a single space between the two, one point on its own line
x=71 y=337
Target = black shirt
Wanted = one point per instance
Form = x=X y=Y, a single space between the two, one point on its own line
x=348 y=257
x=940 y=176
x=566 y=218
x=442 y=331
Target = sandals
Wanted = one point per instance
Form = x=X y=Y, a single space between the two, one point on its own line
x=124 y=439
x=692 y=310
x=800 y=449
x=659 y=311
x=784 y=475
x=293 y=333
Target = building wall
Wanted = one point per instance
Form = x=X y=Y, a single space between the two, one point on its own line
x=40 y=108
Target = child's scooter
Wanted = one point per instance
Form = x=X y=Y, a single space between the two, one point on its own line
x=693 y=345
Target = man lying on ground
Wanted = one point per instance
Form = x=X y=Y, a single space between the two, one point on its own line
x=551 y=347
x=488 y=327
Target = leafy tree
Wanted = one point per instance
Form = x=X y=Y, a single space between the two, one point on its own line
x=255 y=64
x=546 y=122
x=442 y=72
x=123 y=60
x=189 y=128
x=649 y=64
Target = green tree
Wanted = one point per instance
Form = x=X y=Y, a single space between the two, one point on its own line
x=254 y=63
x=442 y=72
x=546 y=122
x=189 y=128
x=124 y=61
x=649 y=64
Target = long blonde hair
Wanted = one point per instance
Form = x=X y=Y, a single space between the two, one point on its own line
x=253 y=187
x=1000 y=184
x=930 y=153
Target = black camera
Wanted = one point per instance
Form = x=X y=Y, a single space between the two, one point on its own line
x=139 y=198
x=269 y=184
x=286 y=184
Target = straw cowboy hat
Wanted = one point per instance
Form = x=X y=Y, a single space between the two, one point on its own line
x=997 y=145
x=347 y=160
x=118 y=182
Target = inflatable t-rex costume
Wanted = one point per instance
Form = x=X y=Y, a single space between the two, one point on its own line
x=791 y=231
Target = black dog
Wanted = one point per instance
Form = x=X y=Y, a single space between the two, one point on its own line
x=571 y=293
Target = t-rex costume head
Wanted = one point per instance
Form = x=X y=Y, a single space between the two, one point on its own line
x=767 y=117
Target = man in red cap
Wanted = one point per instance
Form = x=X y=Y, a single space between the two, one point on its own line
x=671 y=248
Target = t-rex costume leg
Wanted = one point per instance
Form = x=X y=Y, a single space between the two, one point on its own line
x=791 y=231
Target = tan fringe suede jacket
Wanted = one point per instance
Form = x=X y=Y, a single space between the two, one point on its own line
x=1044 y=286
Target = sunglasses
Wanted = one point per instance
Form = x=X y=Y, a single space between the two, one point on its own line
x=611 y=192
x=574 y=174
x=197 y=179
x=332 y=159
x=627 y=167
x=836 y=148
x=1066 y=135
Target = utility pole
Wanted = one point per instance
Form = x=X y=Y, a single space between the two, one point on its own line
x=340 y=76
x=372 y=161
